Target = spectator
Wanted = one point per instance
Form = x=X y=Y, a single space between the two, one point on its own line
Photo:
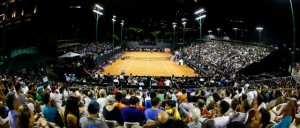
x=260 y=120
x=118 y=103
x=111 y=112
x=13 y=105
x=71 y=115
x=290 y=111
x=25 y=117
x=172 y=110
x=201 y=104
x=148 y=100
x=184 y=107
x=132 y=113
x=50 y=113
x=243 y=114
x=92 y=119
x=32 y=90
x=102 y=101
x=161 y=95
x=56 y=97
x=20 y=97
x=151 y=113
x=227 y=97
x=222 y=108
x=194 y=118
x=89 y=98
x=182 y=96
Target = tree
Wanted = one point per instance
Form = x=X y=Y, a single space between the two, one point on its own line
x=155 y=33
x=137 y=31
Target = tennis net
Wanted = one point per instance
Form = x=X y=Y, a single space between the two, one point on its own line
x=146 y=58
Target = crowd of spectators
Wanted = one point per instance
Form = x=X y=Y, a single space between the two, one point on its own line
x=93 y=57
x=222 y=58
x=37 y=104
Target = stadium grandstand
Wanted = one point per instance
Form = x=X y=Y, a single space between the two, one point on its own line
x=149 y=64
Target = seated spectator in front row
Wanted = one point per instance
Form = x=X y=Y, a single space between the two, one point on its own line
x=92 y=119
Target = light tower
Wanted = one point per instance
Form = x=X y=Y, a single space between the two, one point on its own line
x=183 y=33
x=174 y=27
x=259 y=29
x=199 y=19
x=97 y=15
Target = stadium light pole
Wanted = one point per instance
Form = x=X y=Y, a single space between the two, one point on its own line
x=113 y=28
x=122 y=24
x=235 y=29
x=259 y=29
x=97 y=15
x=294 y=36
x=199 y=19
x=218 y=29
x=183 y=23
x=174 y=27
x=209 y=31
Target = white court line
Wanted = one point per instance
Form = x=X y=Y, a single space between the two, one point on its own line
x=165 y=65
x=137 y=65
x=129 y=66
x=172 y=67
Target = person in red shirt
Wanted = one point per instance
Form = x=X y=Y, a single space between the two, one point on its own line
x=160 y=83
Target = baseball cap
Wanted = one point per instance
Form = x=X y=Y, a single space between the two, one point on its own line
x=95 y=104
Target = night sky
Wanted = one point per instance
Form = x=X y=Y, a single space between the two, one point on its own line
x=273 y=15
x=55 y=20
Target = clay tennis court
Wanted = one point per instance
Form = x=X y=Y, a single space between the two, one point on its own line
x=149 y=64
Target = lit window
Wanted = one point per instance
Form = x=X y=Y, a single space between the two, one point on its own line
x=11 y=1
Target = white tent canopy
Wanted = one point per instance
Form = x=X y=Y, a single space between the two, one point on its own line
x=70 y=55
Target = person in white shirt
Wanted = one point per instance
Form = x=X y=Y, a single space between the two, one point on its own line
x=54 y=95
x=220 y=121
x=167 y=82
x=241 y=116
x=227 y=97
x=121 y=77
x=239 y=93
x=116 y=80
x=138 y=95
x=102 y=76
x=102 y=100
